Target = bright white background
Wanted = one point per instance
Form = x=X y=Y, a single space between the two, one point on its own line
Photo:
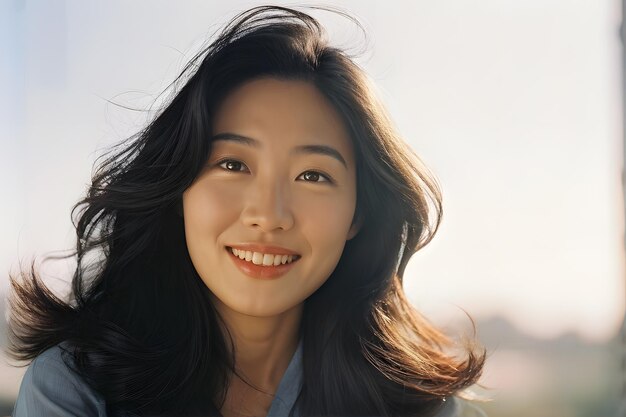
x=515 y=106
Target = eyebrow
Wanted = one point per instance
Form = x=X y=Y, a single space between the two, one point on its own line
x=301 y=149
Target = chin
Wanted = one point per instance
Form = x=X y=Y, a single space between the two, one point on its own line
x=256 y=309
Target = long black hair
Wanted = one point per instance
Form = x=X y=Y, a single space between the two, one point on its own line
x=139 y=323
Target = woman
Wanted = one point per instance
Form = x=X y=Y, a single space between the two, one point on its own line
x=250 y=246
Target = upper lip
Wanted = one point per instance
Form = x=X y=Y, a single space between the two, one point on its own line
x=257 y=247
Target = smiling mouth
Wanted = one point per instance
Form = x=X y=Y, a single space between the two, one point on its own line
x=263 y=259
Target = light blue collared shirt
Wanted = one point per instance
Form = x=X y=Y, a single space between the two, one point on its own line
x=51 y=389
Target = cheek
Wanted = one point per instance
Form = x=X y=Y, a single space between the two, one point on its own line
x=326 y=223
x=329 y=214
x=207 y=211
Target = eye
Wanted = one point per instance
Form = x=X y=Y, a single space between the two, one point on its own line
x=314 y=176
x=231 y=165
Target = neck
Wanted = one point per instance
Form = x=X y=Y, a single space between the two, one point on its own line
x=263 y=346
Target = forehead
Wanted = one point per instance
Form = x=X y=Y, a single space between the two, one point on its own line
x=282 y=113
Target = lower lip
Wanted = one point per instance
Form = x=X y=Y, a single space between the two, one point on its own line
x=260 y=271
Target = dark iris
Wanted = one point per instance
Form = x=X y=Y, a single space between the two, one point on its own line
x=311 y=176
x=233 y=165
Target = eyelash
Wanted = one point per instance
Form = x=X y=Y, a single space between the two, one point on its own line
x=327 y=177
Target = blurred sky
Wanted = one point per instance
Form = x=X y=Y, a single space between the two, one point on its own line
x=514 y=105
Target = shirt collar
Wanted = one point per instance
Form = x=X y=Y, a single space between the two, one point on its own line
x=289 y=387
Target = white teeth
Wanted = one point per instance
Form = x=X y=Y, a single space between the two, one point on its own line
x=264 y=259
x=257 y=258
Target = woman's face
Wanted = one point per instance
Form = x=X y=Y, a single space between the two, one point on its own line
x=280 y=179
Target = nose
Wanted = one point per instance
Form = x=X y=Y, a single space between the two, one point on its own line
x=268 y=206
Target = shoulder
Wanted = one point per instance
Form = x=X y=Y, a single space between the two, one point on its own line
x=458 y=407
x=51 y=388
